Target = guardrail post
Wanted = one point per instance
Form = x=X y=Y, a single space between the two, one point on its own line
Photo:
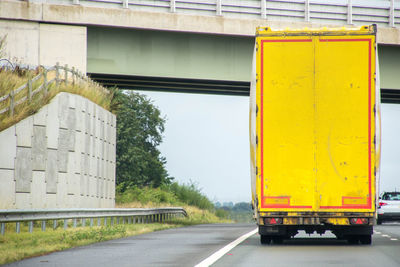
x=43 y=226
x=66 y=73
x=30 y=226
x=172 y=6
x=98 y=221
x=91 y=222
x=74 y=222
x=125 y=4
x=45 y=81
x=17 y=227
x=112 y=221
x=83 y=222
x=349 y=12
x=391 y=14
x=263 y=9
x=54 y=224
x=57 y=74
x=2 y=228
x=118 y=219
x=30 y=89
x=12 y=103
x=65 y=224
x=307 y=10
x=105 y=221
x=219 y=7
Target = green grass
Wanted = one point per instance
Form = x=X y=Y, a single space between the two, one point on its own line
x=14 y=247
x=11 y=80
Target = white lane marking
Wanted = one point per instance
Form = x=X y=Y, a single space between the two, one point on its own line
x=393 y=239
x=376 y=232
x=214 y=257
x=385 y=236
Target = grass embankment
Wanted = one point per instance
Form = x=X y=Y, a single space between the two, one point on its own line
x=11 y=80
x=14 y=247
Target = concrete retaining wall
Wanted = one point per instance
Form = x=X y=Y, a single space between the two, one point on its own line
x=61 y=157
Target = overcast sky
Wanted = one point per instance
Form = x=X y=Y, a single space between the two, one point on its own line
x=206 y=141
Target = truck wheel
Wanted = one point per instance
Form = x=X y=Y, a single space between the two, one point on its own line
x=365 y=239
x=379 y=221
x=265 y=239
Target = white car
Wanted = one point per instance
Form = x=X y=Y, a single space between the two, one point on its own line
x=389 y=207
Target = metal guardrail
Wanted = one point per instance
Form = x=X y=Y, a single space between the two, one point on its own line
x=381 y=12
x=82 y=215
x=18 y=96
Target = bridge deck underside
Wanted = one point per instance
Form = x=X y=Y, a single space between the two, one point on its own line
x=220 y=87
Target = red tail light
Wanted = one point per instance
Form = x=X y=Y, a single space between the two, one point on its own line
x=382 y=204
x=273 y=221
x=359 y=221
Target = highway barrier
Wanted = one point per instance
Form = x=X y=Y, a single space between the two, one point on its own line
x=82 y=216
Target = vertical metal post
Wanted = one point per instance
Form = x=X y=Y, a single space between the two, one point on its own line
x=30 y=226
x=391 y=14
x=30 y=89
x=118 y=220
x=98 y=221
x=219 y=7
x=17 y=227
x=129 y=220
x=65 y=224
x=112 y=221
x=54 y=224
x=83 y=222
x=105 y=221
x=91 y=222
x=2 y=228
x=349 y=12
x=43 y=226
x=74 y=222
x=123 y=220
x=307 y=10
x=263 y=9
x=172 y=6
x=125 y=4
x=57 y=74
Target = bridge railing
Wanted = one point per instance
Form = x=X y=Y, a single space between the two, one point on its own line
x=381 y=12
x=84 y=216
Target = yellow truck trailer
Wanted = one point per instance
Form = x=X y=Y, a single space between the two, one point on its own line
x=314 y=133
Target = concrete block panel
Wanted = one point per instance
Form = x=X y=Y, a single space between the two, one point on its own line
x=23 y=170
x=72 y=101
x=93 y=166
x=51 y=171
x=71 y=165
x=7 y=189
x=93 y=151
x=63 y=99
x=87 y=187
x=8 y=151
x=38 y=193
x=23 y=201
x=24 y=132
x=62 y=190
x=87 y=123
x=87 y=164
x=80 y=119
x=82 y=184
x=87 y=144
x=53 y=124
x=63 y=145
x=71 y=119
x=39 y=151
x=50 y=201
x=71 y=40
x=71 y=140
x=40 y=117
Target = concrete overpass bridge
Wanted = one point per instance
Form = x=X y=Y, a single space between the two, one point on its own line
x=201 y=46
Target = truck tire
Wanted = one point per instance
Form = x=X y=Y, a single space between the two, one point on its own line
x=379 y=221
x=265 y=239
x=365 y=239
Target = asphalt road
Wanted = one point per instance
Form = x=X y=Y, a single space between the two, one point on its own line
x=189 y=246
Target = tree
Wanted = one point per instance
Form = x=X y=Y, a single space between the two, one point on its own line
x=139 y=132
